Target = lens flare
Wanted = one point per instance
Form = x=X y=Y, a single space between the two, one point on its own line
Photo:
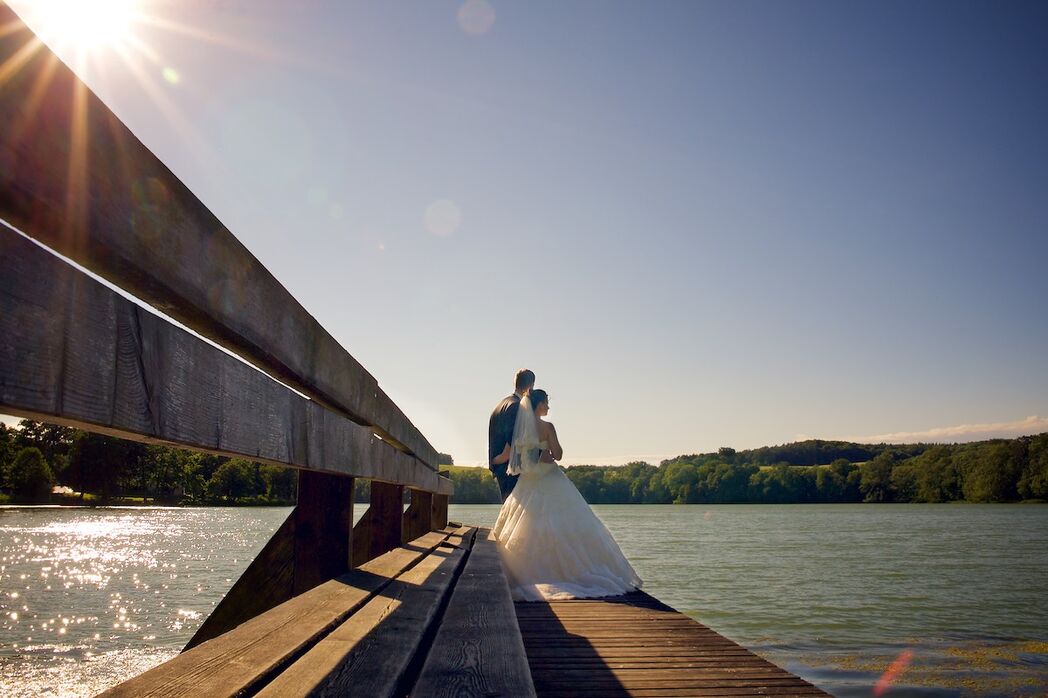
x=443 y=217
x=476 y=17
x=892 y=674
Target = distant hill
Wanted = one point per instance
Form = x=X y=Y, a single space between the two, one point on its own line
x=996 y=470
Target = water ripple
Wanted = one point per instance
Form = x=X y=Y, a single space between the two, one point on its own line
x=835 y=593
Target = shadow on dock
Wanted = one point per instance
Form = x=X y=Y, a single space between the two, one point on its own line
x=555 y=652
x=635 y=645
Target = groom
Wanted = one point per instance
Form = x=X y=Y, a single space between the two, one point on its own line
x=500 y=431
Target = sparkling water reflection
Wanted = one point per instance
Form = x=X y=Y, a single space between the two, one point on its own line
x=89 y=597
x=92 y=596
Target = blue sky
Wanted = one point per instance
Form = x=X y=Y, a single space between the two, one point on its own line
x=702 y=224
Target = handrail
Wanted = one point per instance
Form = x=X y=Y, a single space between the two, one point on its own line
x=77 y=352
x=119 y=212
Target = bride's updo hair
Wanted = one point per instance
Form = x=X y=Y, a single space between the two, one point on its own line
x=538 y=397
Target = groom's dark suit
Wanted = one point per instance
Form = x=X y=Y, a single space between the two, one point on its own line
x=500 y=433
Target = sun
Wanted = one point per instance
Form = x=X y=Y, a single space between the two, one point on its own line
x=84 y=25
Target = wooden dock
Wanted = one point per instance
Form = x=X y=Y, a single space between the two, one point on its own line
x=401 y=603
x=635 y=645
x=434 y=617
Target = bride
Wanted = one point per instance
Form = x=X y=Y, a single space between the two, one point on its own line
x=552 y=544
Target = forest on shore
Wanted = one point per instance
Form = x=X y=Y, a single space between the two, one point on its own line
x=813 y=471
x=45 y=463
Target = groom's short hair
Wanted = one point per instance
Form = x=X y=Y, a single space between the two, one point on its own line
x=525 y=379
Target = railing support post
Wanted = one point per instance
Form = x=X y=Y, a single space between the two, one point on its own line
x=379 y=529
x=418 y=519
x=439 y=517
x=323 y=528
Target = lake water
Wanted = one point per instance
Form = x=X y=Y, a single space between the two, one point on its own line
x=834 y=593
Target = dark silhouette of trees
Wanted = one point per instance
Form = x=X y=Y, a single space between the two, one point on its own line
x=29 y=476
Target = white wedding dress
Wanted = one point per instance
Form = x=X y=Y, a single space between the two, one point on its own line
x=552 y=544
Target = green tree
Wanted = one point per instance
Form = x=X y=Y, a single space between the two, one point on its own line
x=904 y=481
x=831 y=482
x=281 y=483
x=937 y=479
x=589 y=479
x=361 y=490
x=195 y=476
x=991 y=470
x=97 y=463
x=474 y=486
x=30 y=476
x=1033 y=481
x=53 y=440
x=780 y=484
x=729 y=484
x=164 y=471
x=233 y=480
x=875 y=483
x=681 y=480
x=7 y=452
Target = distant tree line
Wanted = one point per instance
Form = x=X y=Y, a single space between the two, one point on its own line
x=1000 y=470
x=101 y=469
x=91 y=468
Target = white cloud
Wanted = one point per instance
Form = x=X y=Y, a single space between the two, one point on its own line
x=962 y=432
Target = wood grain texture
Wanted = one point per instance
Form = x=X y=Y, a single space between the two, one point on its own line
x=77 y=353
x=478 y=650
x=244 y=659
x=108 y=203
x=369 y=653
x=634 y=645
x=439 y=515
x=418 y=517
x=381 y=526
x=323 y=529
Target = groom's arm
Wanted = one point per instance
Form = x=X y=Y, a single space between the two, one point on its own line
x=503 y=457
x=501 y=431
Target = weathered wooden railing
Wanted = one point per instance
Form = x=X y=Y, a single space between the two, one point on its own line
x=74 y=351
x=382 y=608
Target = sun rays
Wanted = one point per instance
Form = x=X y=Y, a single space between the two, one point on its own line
x=88 y=25
x=100 y=41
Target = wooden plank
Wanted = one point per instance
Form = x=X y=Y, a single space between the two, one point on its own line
x=766 y=672
x=439 y=517
x=478 y=650
x=369 y=654
x=667 y=692
x=323 y=528
x=672 y=680
x=637 y=646
x=642 y=663
x=381 y=526
x=130 y=220
x=245 y=658
x=418 y=518
x=79 y=354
